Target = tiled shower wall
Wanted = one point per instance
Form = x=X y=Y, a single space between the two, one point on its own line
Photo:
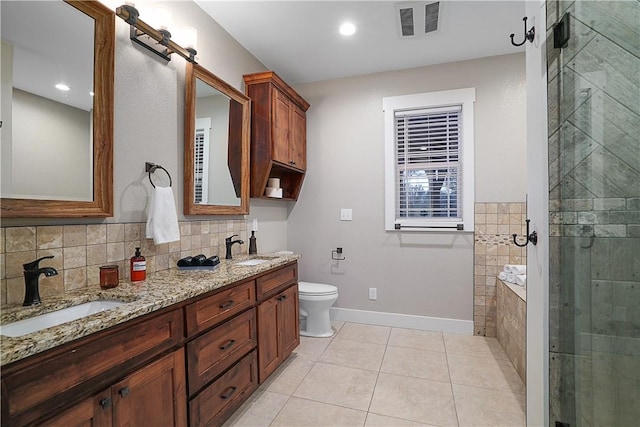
x=79 y=251
x=494 y=225
x=594 y=204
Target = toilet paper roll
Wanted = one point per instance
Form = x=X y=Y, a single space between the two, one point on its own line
x=273 y=192
x=273 y=183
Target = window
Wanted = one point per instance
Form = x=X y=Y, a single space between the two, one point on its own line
x=201 y=160
x=429 y=161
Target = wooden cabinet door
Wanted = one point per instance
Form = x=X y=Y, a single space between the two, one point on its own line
x=269 y=348
x=281 y=127
x=92 y=412
x=154 y=395
x=298 y=138
x=289 y=317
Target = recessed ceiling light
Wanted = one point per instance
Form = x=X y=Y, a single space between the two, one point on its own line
x=62 y=86
x=347 y=29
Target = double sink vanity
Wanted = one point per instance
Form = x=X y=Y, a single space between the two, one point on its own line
x=181 y=348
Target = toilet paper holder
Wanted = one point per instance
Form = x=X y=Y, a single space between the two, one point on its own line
x=336 y=255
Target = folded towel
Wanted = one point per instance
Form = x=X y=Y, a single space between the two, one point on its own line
x=515 y=268
x=502 y=276
x=511 y=278
x=521 y=280
x=162 y=221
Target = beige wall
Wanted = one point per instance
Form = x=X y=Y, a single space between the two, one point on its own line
x=428 y=274
x=52 y=157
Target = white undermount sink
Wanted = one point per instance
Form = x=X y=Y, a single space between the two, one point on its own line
x=55 y=318
x=254 y=261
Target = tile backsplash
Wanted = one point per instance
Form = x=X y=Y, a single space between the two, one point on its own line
x=79 y=251
x=493 y=248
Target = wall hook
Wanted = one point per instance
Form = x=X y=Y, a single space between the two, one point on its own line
x=531 y=237
x=528 y=35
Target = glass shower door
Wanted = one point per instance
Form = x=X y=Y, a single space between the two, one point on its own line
x=594 y=204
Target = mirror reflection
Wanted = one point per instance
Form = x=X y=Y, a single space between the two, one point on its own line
x=57 y=142
x=216 y=146
x=214 y=182
x=47 y=101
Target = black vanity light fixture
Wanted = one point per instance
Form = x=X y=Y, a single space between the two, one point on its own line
x=157 y=41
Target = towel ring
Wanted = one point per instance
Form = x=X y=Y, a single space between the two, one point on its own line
x=151 y=168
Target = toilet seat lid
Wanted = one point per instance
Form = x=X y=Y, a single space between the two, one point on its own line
x=309 y=288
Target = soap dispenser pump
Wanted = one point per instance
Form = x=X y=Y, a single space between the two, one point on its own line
x=138 y=267
x=253 y=248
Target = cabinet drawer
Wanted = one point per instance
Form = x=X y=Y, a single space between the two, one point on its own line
x=276 y=280
x=41 y=384
x=214 y=309
x=213 y=352
x=216 y=403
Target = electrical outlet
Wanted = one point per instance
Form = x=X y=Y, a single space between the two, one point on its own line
x=346 y=215
x=373 y=293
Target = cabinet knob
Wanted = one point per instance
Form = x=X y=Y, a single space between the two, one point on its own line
x=226 y=304
x=228 y=393
x=227 y=344
x=282 y=298
x=105 y=403
x=124 y=392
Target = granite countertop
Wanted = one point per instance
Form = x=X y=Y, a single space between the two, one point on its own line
x=160 y=290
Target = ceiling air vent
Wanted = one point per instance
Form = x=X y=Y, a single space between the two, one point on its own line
x=415 y=19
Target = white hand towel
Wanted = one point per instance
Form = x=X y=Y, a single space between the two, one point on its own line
x=516 y=268
x=503 y=276
x=162 y=221
x=521 y=280
x=507 y=268
x=511 y=278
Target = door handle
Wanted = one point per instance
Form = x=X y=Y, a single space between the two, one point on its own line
x=124 y=392
x=226 y=304
x=105 y=403
x=228 y=393
x=227 y=344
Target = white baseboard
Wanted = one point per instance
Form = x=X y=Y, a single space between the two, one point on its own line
x=409 y=321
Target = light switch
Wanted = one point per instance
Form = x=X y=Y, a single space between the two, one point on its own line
x=346 y=214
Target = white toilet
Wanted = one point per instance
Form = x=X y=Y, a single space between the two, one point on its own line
x=315 y=301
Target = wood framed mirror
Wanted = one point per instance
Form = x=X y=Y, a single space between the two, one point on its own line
x=42 y=182
x=216 y=146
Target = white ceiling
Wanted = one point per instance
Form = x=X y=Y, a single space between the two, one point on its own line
x=300 y=39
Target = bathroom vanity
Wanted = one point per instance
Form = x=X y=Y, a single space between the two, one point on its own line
x=187 y=348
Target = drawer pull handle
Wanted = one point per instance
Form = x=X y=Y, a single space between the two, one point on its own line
x=228 y=393
x=105 y=403
x=227 y=344
x=282 y=298
x=227 y=304
x=124 y=392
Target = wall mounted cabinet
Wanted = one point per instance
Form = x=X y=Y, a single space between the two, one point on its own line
x=278 y=134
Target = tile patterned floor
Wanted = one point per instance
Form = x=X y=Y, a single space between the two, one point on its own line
x=368 y=375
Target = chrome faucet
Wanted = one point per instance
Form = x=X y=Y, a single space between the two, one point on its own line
x=32 y=272
x=229 y=243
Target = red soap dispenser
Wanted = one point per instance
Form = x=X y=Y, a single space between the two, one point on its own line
x=138 y=267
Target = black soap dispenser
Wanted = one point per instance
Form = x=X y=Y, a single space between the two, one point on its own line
x=253 y=247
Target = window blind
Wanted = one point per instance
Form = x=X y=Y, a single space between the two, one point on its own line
x=198 y=174
x=428 y=163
